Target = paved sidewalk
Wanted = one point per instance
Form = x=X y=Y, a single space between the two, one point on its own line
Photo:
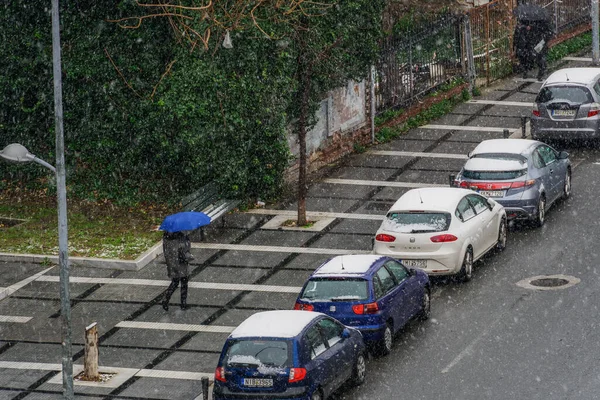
x=249 y=265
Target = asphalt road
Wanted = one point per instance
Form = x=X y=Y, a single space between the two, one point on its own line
x=487 y=339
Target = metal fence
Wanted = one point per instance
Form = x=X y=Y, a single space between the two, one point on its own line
x=415 y=61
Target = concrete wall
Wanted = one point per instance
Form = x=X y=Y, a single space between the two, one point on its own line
x=342 y=112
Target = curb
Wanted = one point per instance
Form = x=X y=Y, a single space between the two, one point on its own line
x=125 y=265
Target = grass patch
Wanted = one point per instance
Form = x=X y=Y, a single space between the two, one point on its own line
x=573 y=45
x=95 y=229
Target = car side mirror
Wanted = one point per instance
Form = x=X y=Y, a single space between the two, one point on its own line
x=345 y=333
x=563 y=155
x=490 y=204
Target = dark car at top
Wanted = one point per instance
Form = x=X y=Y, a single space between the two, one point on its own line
x=524 y=176
x=375 y=294
x=288 y=354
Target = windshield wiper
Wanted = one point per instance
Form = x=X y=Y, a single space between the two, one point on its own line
x=423 y=230
x=345 y=298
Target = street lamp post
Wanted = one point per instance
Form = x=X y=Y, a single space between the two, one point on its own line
x=18 y=153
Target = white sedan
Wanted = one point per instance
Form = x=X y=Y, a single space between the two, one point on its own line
x=442 y=231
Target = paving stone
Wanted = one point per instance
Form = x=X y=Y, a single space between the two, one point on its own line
x=175 y=315
x=389 y=194
x=508 y=111
x=206 y=341
x=36 y=352
x=143 y=338
x=327 y=204
x=370 y=174
x=125 y=358
x=350 y=226
x=113 y=292
x=453 y=147
x=525 y=96
x=187 y=361
x=251 y=259
x=234 y=317
x=289 y=277
x=224 y=274
x=51 y=290
x=155 y=388
x=331 y=190
x=217 y=234
x=437 y=177
x=467 y=108
x=428 y=134
x=403 y=144
x=496 y=122
x=307 y=261
x=349 y=242
x=10 y=394
x=13 y=273
x=272 y=301
x=18 y=378
x=474 y=137
x=379 y=161
x=490 y=95
x=442 y=164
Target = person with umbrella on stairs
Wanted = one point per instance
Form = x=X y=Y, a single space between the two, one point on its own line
x=533 y=31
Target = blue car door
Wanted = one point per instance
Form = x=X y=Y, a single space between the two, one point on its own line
x=321 y=364
x=410 y=291
x=342 y=356
x=391 y=301
x=556 y=169
x=545 y=174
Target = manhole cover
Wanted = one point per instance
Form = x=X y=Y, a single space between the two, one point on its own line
x=549 y=282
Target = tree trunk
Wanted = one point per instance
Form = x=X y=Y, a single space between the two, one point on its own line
x=302 y=184
x=90 y=358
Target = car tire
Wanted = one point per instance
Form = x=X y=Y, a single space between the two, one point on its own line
x=540 y=216
x=466 y=270
x=567 y=188
x=502 y=235
x=359 y=371
x=317 y=395
x=425 y=312
x=384 y=346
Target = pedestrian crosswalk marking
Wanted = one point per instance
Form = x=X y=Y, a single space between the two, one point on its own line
x=502 y=103
x=293 y=213
x=165 y=283
x=381 y=183
x=277 y=249
x=167 y=326
x=589 y=59
x=15 y=319
x=465 y=128
x=5 y=292
x=417 y=154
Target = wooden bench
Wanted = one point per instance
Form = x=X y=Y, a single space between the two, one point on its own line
x=208 y=200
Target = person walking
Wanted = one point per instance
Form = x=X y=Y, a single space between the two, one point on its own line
x=533 y=31
x=177 y=252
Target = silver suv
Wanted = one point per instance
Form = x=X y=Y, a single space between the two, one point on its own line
x=567 y=106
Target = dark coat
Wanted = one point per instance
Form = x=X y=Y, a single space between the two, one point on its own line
x=528 y=35
x=177 y=252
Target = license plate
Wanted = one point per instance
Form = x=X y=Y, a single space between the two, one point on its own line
x=256 y=382
x=563 y=113
x=415 y=263
x=492 y=193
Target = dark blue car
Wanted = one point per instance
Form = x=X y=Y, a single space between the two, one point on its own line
x=374 y=294
x=289 y=354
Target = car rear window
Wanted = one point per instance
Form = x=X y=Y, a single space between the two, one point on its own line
x=335 y=289
x=574 y=94
x=417 y=222
x=258 y=353
x=493 y=175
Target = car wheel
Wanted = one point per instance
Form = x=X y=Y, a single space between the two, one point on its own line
x=502 y=235
x=385 y=344
x=317 y=395
x=425 y=312
x=540 y=216
x=359 y=373
x=567 y=188
x=466 y=270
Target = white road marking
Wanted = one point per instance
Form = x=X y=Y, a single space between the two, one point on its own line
x=465 y=128
x=382 y=183
x=5 y=292
x=578 y=59
x=165 y=283
x=502 y=103
x=15 y=319
x=146 y=373
x=175 y=327
x=417 y=154
x=276 y=249
x=293 y=213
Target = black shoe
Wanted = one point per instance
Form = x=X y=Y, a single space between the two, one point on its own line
x=540 y=78
x=165 y=305
x=525 y=75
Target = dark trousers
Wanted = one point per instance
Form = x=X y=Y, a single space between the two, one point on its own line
x=173 y=286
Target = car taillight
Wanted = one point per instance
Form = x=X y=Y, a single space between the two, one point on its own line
x=461 y=184
x=297 y=374
x=446 y=237
x=382 y=237
x=220 y=374
x=535 y=111
x=370 y=308
x=305 y=307
x=520 y=184
x=594 y=109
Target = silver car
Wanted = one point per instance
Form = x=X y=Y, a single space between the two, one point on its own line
x=567 y=106
x=525 y=176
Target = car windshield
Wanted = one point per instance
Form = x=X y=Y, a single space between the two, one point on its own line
x=336 y=289
x=494 y=175
x=572 y=94
x=258 y=353
x=416 y=222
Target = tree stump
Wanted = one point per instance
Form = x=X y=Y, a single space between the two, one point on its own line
x=90 y=362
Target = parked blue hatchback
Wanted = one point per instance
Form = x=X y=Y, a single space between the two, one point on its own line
x=289 y=354
x=374 y=294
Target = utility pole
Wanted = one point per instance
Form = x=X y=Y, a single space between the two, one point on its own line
x=61 y=188
x=595 y=46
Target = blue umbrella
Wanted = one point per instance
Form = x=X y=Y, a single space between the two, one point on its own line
x=184 y=221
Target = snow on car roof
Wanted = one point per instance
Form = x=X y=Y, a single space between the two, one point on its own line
x=347 y=265
x=430 y=199
x=491 y=164
x=573 y=75
x=506 y=146
x=274 y=324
